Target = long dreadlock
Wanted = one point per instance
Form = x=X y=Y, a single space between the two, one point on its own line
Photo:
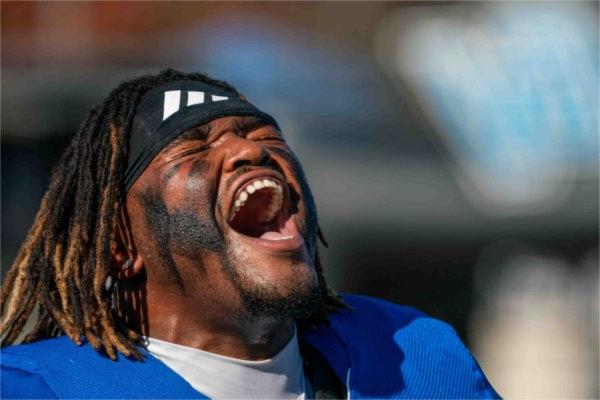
x=64 y=262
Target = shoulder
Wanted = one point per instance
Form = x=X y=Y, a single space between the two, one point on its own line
x=365 y=308
x=48 y=347
x=41 y=369
x=61 y=367
x=377 y=317
x=25 y=367
x=422 y=355
x=38 y=356
x=17 y=383
x=380 y=324
x=47 y=355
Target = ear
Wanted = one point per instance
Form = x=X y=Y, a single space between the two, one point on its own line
x=126 y=262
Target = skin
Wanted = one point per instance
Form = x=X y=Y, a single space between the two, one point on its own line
x=204 y=285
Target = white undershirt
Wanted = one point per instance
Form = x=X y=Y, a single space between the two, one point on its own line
x=221 y=377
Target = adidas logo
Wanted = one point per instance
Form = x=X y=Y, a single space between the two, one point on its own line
x=172 y=100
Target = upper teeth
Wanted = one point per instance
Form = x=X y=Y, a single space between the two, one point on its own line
x=260 y=184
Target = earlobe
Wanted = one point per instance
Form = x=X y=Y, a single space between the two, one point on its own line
x=131 y=268
x=135 y=267
x=124 y=271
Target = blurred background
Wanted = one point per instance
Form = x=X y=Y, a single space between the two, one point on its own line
x=452 y=147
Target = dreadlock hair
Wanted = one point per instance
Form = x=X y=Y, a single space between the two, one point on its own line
x=64 y=262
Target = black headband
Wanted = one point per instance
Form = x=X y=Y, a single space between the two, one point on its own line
x=172 y=109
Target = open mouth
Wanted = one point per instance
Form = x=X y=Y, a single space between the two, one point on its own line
x=260 y=210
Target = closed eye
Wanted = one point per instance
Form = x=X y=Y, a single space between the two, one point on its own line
x=198 y=148
x=270 y=138
x=269 y=135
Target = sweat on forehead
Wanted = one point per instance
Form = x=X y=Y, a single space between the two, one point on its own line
x=174 y=108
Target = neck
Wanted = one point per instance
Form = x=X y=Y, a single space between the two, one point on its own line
x=211 y=326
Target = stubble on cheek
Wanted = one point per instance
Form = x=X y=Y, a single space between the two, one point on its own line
x=158 y=222
x=193 y=226
x=187 y=229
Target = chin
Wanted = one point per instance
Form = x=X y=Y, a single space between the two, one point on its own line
x=295 y=302
x=274 y=286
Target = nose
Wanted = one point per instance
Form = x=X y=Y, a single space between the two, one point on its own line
x=241 y=151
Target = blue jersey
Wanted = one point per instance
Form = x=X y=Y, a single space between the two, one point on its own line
x=378 y=349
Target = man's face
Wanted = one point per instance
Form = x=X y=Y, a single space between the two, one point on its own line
x=229 y=199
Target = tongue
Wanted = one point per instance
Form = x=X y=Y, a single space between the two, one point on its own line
x=285 y=232
x=275 y=236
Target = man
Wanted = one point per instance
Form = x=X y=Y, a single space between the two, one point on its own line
x=175 y=256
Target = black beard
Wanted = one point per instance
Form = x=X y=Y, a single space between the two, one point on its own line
x=300 y=303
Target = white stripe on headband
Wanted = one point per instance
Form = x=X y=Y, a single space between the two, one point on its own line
x=172 y=100
x=194 y=98
x=171 y=103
